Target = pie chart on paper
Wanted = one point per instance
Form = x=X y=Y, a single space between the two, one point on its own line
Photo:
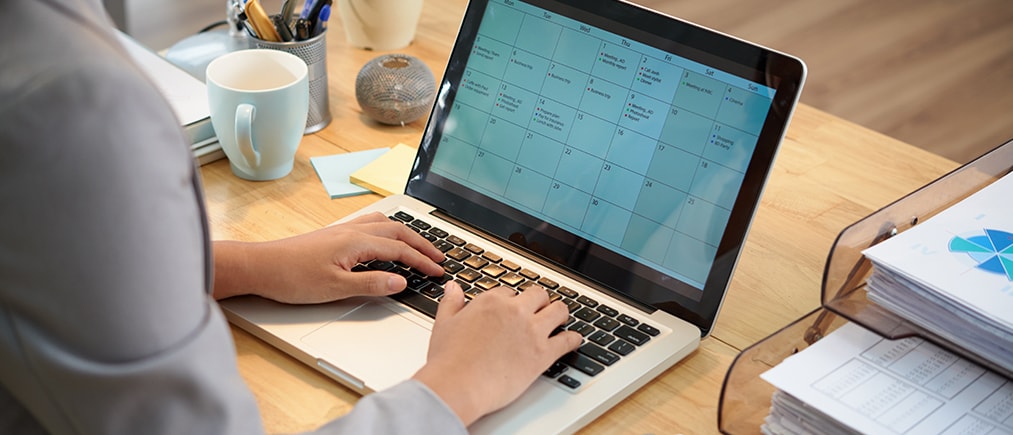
x=993 y=251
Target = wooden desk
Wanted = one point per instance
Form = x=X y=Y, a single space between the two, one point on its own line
x=828 y=174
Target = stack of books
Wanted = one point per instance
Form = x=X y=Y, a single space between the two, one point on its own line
x=186 y=94
x=951 y=276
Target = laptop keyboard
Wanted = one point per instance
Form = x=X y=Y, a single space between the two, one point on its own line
x=608 y=334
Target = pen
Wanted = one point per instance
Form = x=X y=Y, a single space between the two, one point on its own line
x=281 y=25
x=314 y=14
x=321 y=22
x=306 y=8
x=249 y=29
x=302 y=29
x=262 y=24
x=286 y=11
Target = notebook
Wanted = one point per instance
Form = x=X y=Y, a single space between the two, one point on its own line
x=606 y=152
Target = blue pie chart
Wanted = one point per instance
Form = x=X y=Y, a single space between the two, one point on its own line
x=993 y=251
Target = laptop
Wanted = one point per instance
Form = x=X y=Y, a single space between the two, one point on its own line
x=608 y=153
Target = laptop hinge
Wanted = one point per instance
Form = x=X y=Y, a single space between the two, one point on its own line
x=646 y=308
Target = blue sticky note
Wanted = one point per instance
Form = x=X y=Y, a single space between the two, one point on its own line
x=334 y=170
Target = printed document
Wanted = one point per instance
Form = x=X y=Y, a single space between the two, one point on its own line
x=953 y=274
x=853 y=380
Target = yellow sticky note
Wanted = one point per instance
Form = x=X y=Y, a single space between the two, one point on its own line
x=388 y=174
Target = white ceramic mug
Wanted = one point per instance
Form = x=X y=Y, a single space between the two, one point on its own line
x=259 y=102
x=380 y=24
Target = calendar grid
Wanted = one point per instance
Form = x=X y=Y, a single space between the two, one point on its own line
x=622 y=167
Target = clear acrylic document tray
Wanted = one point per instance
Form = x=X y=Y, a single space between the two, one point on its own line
x=745 y=398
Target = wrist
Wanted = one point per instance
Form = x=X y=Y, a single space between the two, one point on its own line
x=455 y=393
x=232 y=269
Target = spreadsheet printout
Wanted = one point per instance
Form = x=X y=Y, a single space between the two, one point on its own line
x=907 y=386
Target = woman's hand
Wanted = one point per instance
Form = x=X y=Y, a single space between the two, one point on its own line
x=483 y=355
x=317 y=266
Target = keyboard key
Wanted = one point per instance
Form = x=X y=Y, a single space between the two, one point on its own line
x=587 y=314
x=456 y=240
x=385 y=266
x=492 y=257
x=432 y=290
x=557 y=368
x=510 y=265
x=486 y=283
x=566 y=291
x=511 y=279
x=415 y=282
x=582 y=363
x=431 y=238
x=457 y=254
x=622 y=348
x=443 y=245
x=475 y=262
x=494 y=270
x=440 y=280
x=581 y=328
x=569 y=382
x=417 y=301
x=598 y=354
x=607 y=310
x=602 y=338
x=587 y=301
x=572 y=305
x=452 y=266
x=404 y=217
x=421 y=224
x=649 y=330
x=627 y=320
x=529 y=274
x=475 y=249
x=469 y=275
x=527 y=285
x=607 y=323
x=438 y=232
x=548 y=283
x=631 y=335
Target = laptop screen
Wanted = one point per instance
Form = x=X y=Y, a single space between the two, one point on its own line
x=620 y=145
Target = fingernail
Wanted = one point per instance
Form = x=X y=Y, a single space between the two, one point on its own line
x=396 y=283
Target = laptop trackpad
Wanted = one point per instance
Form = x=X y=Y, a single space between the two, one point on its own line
x=375 y=343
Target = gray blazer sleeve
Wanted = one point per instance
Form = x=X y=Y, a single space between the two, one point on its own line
x=397 y=411
x=106 y=325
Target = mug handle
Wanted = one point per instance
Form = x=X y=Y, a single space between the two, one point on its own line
x=244 y=134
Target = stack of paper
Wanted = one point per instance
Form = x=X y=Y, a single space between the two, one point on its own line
x=953 y=274
x=854 y=381
x=186 y=94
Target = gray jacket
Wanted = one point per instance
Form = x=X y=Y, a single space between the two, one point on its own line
x=106 y=323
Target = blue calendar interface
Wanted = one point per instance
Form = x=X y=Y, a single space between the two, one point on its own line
x=621 y=143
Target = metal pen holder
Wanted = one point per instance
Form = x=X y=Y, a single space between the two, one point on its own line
x=313 y=51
